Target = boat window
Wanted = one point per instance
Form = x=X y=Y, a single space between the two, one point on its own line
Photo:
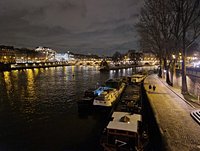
x=120 y=131
x=111 y=130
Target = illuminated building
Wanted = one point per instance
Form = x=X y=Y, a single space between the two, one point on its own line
x=7 y=54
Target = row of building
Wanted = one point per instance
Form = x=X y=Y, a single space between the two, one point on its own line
x=9 y=54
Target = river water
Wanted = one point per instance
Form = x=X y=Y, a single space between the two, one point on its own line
x=38 y=109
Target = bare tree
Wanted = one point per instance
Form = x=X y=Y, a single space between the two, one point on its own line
x=117 y=56
x=155 y=30
x=186 y=29
x=169 y=27
x=150 y=42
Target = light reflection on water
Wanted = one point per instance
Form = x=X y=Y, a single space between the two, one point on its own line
x=30 y=83
x=38 y=108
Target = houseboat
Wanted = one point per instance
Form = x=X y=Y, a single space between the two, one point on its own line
x=88 y=98
x=106 y=98
x=137 y=78
x=109 y=97
x=122 y=132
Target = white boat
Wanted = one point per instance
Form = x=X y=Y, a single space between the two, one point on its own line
x=106 y=98
x=110 y=96
x=89 y=96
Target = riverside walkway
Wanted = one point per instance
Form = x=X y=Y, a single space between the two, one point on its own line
x=179 y=131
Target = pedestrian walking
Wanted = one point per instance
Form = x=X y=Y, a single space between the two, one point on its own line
x=154 y=87
x=150 y=86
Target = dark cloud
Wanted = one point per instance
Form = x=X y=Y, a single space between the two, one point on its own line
x=95 y=26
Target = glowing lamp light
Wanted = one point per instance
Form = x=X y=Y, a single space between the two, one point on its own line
x=197 y=64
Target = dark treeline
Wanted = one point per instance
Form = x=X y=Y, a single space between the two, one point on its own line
x=132 y=55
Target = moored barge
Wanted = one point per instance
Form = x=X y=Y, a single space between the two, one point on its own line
x=122 y=132
x=126 y=130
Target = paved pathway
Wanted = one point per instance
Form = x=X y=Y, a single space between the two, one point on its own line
x=172 y=113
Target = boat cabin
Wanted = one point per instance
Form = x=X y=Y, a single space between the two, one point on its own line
x=107 y=95
x=101 y=89
x=137 y=78
x=114 y=83
x=123 y=131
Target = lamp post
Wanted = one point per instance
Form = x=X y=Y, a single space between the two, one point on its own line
x=173 y=68
x=198 y=88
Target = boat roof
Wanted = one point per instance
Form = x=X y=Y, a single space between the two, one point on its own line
x=101 y=89
x=124 y=121
x=114 y=80
x=138 y=75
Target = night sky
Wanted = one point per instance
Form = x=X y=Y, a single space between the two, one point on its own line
x=83 y=26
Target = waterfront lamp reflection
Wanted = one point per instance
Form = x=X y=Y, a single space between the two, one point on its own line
x=73 y=73
x=30 y=84
x=7 y=80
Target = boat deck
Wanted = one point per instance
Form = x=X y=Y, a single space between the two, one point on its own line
x=129 y=98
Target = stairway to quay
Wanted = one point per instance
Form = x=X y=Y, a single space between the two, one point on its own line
x=175 y=118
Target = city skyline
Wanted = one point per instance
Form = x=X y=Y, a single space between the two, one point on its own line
x=98 y=27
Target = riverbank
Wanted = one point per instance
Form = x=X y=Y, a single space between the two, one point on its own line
x=123 y=67
x=126 y=67
x=21 y=66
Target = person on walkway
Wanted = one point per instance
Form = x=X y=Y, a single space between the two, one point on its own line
x=154 y=87
x=150 y=86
